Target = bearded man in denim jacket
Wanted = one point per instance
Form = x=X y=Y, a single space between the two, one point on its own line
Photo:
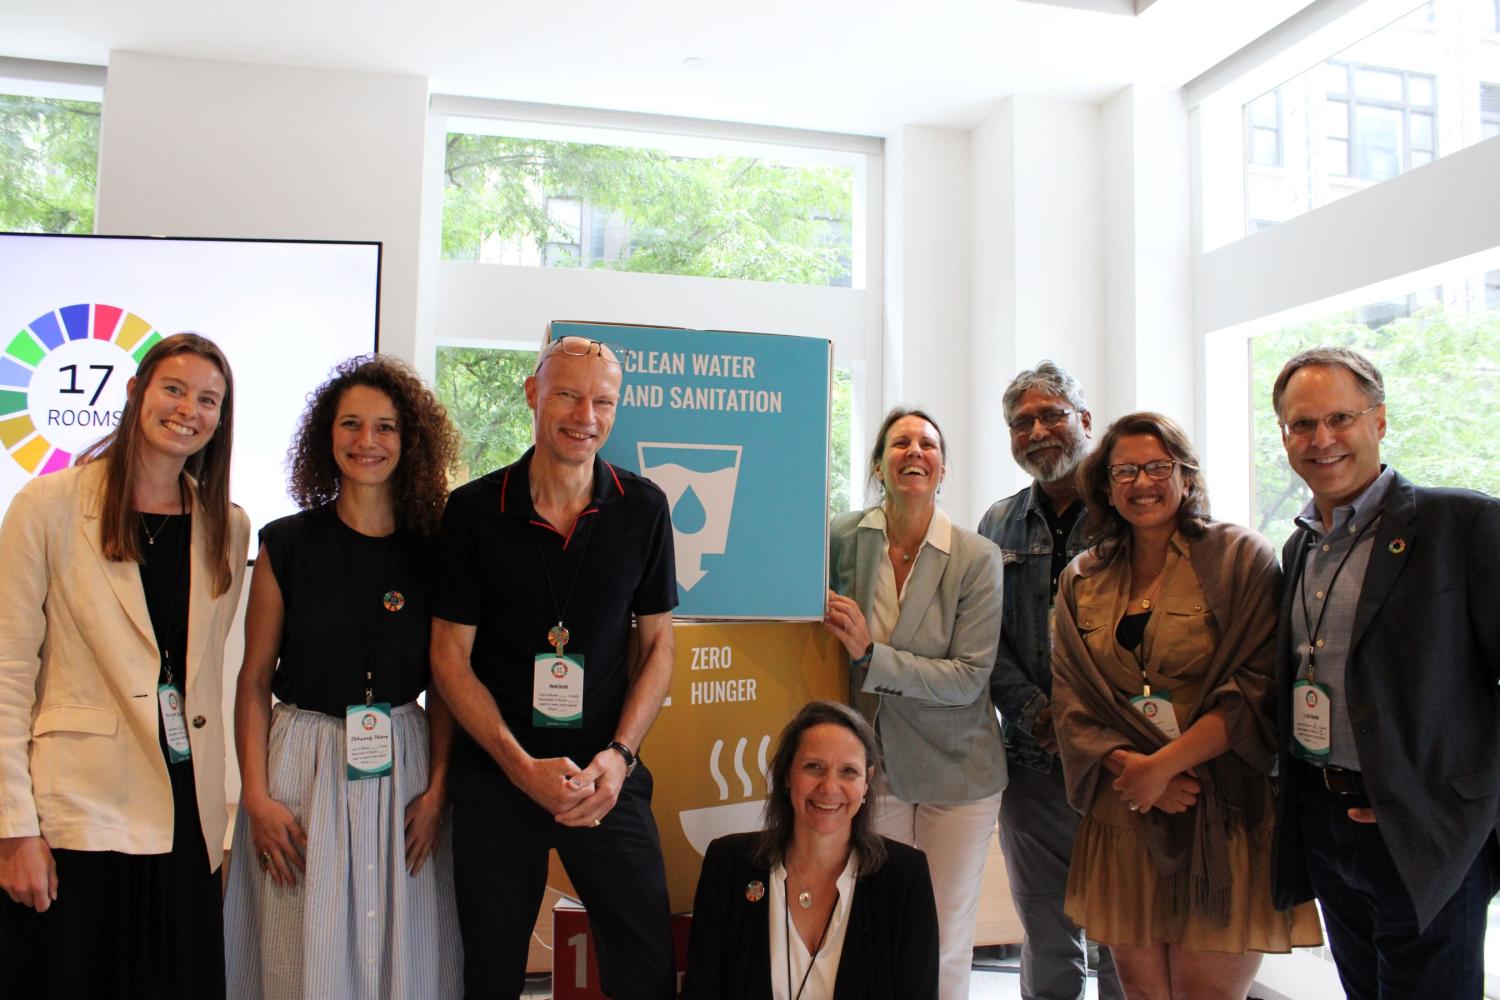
x=1039 y=531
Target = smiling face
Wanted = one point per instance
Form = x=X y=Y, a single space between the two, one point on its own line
x=180 y=406
x=1149 y=505
x=574 y=399
x=911 y=463
x=366 y=436
x=1337 y=465
x=828 y=780
x=1049 y=454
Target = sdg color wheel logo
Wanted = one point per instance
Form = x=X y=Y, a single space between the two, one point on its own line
x=62 y=382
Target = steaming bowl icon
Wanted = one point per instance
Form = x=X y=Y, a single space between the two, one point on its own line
x=702 y=825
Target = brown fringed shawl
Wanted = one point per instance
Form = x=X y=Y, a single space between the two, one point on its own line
x=1236 y=569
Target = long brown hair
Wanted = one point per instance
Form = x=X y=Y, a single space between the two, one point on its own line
x=429 y=444
x=770 y=848
x=1104 y=527
x=209 y=466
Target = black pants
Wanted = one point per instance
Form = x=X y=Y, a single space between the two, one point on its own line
x=126 y=926
x=1372 y=925
x=500 y=844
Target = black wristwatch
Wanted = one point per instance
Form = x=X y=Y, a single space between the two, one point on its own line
x=631 y=760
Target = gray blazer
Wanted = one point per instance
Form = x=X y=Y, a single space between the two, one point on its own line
x=937 y=724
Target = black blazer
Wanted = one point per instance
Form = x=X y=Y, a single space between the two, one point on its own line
x=1422 y=692
x=890 y=946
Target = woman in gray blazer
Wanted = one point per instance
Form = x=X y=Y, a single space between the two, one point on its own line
x=915 y=600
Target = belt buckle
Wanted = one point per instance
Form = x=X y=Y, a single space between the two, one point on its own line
x=1342 y=781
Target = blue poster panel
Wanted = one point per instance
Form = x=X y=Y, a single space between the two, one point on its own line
x=734 y=428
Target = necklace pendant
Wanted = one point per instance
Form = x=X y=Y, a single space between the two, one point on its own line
x=1145 y=604
x=557 y=637
x=804 y=899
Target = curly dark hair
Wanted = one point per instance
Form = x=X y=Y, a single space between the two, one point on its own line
x=429 y=444
x=1103 y=526
x=770 y=849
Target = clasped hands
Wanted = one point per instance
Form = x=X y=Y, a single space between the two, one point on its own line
x=574 y=796
x=1147 y=782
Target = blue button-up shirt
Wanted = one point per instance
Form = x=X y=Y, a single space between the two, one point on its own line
x=1349 y=541
x=1021 y=683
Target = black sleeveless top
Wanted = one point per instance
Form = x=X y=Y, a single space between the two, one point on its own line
x=352 y=604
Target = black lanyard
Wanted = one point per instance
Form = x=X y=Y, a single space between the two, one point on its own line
x=1314 y=628
x=356 y=604
x=164 y=641
x=786 y=907
x=541 y=557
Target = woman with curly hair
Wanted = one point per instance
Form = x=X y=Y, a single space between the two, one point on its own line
x=1162 y=656
x=342 y=882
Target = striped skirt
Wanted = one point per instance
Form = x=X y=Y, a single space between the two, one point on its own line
x=355 y=925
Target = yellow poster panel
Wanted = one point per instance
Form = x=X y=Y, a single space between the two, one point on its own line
x=735 y=685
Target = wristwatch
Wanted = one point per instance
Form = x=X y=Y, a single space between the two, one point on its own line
x=631 y=760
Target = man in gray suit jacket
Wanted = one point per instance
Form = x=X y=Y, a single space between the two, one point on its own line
x=1389 y=796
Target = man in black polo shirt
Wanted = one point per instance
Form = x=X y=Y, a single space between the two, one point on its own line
x=542 y=565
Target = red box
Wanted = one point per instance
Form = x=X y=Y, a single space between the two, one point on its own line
x=575 y=969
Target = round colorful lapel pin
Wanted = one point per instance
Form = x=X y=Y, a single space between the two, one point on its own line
x=393 y=600
x=1397 y=546
x=755 y=891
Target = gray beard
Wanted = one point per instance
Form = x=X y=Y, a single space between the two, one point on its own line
x=1065 y=467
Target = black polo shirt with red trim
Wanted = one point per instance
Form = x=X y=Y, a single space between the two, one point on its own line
x=495 y=558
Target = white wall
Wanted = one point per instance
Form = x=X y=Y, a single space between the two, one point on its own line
x=928 y=274
x=193 y=147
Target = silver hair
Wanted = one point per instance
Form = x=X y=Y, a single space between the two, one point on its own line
x=1050 y=378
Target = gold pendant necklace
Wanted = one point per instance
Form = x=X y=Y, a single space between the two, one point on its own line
x=152 y=536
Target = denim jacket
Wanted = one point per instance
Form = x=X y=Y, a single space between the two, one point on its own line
x=1021 y=683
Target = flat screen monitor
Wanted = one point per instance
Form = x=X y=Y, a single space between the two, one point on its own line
x=77 y=313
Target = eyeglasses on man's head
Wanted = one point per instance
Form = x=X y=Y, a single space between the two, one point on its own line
x=1339 y=420
x=1049 y=418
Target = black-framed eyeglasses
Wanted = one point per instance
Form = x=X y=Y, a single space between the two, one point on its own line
x=1339 y=420
x=583 y=347
x=1049 y=419
x=1126 y=473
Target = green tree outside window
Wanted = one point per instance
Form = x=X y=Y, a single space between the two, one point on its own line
x=49 y=152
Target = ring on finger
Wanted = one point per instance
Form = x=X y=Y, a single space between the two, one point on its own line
x=265 y=860
x=1134 y=807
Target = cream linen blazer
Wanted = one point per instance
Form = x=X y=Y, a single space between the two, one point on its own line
x=79 y=758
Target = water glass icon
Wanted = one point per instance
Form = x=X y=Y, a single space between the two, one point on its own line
x=699 y=481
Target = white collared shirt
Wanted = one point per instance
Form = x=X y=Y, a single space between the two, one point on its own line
x=825 y=971
x=885 y=603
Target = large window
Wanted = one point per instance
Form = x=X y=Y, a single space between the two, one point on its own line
x=551 y=213
x=528 y=201
x=1439 y=350
x=49 y=152
x=1393 y=101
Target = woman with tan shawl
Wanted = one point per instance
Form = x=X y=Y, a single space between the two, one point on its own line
x=1162 y=661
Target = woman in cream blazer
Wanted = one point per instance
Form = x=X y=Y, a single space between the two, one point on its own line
x=915 y=600
x=108 y=851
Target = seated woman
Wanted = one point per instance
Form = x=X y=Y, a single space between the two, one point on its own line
x=816 y=905
x=1162 y=660
x=342 y=881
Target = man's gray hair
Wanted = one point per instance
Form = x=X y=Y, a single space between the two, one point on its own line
x=1050 y=378
x=1366 y=375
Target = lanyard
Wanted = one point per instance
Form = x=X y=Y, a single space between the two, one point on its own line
x=357 y=605
x=164 y=641
x=558 y=636
x=786 y=908
x=1313 y=629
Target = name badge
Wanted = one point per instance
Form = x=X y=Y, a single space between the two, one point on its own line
x=369 y=748
x=1157 y=708
x=173 y=726
x=557 y=691
x=1312 y=713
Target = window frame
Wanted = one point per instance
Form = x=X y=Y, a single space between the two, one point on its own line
x=1353 y=100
